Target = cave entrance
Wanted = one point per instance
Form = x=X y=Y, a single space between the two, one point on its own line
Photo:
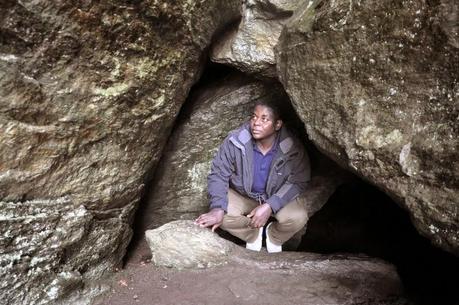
x=219 y=102
x=356 y=218
x=359 y=218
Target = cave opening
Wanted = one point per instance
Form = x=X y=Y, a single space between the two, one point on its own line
x=360 y=218
x=356 y=218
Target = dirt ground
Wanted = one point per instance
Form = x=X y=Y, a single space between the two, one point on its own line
x=145 y=284
x=140 y=282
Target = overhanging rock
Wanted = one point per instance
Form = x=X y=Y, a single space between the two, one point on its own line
x=376 y=84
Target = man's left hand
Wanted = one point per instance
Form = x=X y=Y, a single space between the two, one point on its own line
x=260 y=215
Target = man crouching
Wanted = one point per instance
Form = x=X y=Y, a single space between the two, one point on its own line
x=259 y=171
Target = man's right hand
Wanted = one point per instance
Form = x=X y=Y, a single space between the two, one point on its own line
x=212 y=218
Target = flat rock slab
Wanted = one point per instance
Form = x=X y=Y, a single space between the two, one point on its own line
x=246 y=277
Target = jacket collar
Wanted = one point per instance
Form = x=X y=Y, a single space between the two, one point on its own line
x=285 y=141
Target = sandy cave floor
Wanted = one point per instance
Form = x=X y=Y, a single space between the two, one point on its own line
x=140 y=282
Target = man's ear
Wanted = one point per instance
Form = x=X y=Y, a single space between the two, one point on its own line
x=278 y=125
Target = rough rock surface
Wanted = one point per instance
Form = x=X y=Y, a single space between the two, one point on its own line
x=249 y=46
x=251 y=277
x=376 y=84
x=88 y=93
x=182 y=244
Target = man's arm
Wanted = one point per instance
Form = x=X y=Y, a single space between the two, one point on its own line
x=217 y=187
x=220 y=173
x=295 y=184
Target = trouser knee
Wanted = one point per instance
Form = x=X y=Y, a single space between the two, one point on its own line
x=294 y=222
x=234 y=222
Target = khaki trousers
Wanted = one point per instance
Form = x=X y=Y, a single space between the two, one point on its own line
x=290 y=219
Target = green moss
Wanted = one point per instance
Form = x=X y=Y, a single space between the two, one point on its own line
x=112 y=91
x=146 y=67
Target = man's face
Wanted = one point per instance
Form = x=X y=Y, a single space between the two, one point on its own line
x=262 y=124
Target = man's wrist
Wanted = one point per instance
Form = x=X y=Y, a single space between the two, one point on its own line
x=217 y=210
x=267 y=204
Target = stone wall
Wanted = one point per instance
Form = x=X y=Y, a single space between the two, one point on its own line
x=89 y=91
x=376 y=85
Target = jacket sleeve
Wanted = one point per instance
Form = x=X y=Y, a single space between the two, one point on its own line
x=220 y=173
x=296 y=182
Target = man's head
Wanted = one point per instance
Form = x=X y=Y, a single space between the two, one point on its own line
x=265 y=120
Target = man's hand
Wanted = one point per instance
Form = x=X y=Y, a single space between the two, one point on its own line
x=260 y=215
x=212 y=218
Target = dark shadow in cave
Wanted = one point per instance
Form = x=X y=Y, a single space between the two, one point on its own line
x=359 y=218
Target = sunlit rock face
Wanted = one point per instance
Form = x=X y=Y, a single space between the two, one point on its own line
x=88 y=94
x=375 y=83
x=249 y=46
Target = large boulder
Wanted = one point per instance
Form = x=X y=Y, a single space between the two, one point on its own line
x=376 y=84
x=254 y=277
x=183 y=244
x=249 y=45
x=88 y=93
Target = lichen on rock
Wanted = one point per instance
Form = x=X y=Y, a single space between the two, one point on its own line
x=376 y=85
x=89 y=92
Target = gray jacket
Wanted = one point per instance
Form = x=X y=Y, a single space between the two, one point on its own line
x=232 y=167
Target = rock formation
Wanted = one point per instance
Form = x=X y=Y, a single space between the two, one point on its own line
x=249 y=46
x=322 y=279
x=182 y=244
x=376 y=85
x=88 y=93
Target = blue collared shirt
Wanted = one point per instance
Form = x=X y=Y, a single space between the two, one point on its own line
x=261 y=167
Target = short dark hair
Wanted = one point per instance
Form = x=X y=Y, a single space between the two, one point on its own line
x=274 y=106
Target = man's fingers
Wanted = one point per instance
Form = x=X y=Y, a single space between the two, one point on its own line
x=204 y=224
x=201 y=218
x=206 y=221
x=254 y=223
x=257 y=222
x=206 y=218
x=215 y=226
